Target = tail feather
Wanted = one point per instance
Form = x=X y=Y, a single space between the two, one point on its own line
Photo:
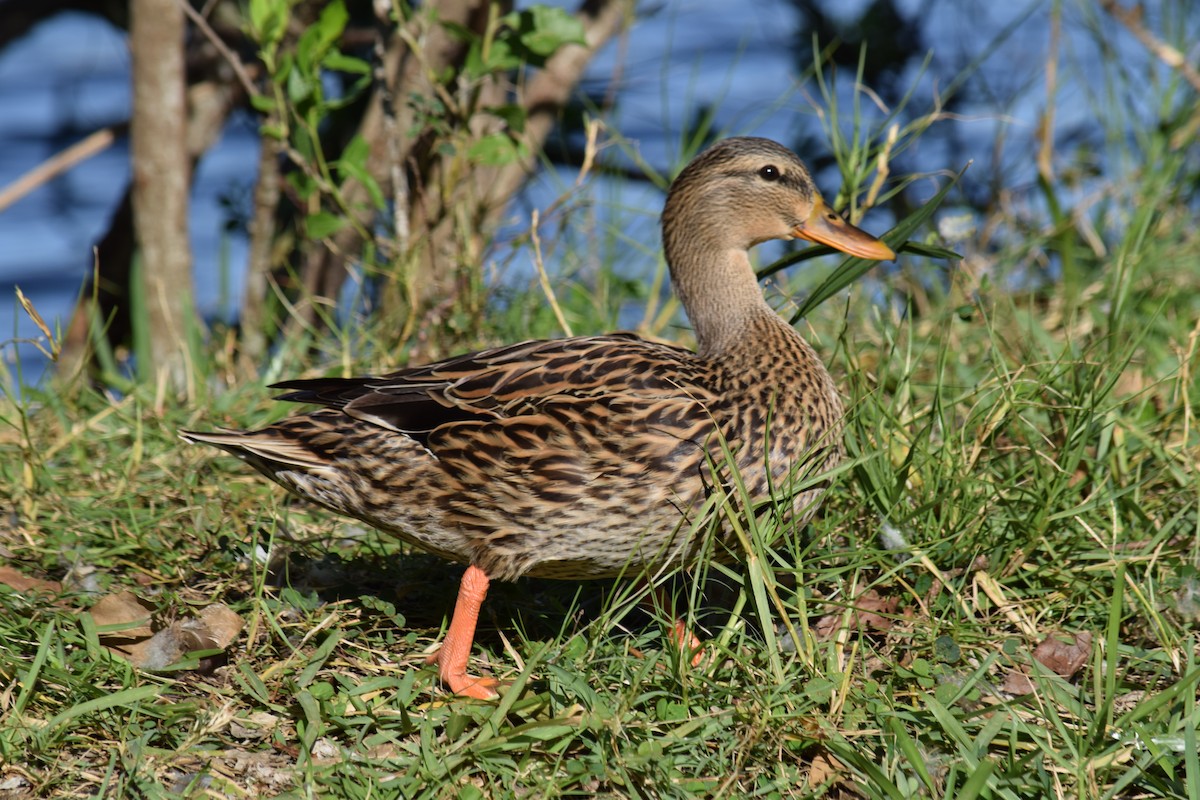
x=266 y=450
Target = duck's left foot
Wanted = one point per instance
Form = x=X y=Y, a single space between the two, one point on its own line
x=456 y=678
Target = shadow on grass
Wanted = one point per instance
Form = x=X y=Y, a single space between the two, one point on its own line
x=423 y=588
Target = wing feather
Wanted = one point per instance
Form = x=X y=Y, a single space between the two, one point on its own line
x=507 y=382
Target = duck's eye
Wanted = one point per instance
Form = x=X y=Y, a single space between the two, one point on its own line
x=770 y=173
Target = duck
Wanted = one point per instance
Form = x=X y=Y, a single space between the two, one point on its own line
x=588 y=457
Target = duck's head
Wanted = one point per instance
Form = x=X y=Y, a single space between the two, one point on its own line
x=745 y=190
x=734 y=195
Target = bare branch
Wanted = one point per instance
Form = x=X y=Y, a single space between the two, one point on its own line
x=230 y=57
x=59 y=163
x=1131 y=18
x=262 y=240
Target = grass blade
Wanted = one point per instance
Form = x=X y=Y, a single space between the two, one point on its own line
x=854 y=268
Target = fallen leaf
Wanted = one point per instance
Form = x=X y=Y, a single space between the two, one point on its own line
x=138 y=642
x=223 y=624
x=1060 y=657
x=125 y=609
x=163 y=649
x=1017 y=681
x=14 y=786
x=820 y=771
x=1064 y=658
x=215 y=629
x=22 y=583
x=867 y=614
x=256 y=725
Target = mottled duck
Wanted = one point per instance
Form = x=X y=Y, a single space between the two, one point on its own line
x=587 y=457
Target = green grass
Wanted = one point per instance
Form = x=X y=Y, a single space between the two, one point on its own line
x=1021 y=465
x=1040 y=470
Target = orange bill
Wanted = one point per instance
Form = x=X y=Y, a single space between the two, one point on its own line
x=826 y=227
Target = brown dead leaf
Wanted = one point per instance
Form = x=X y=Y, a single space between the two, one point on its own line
x=223 y=624
x=257 y=725
x=144 y=647
x=164 y=648
x=831 y=776
x=1017 y=681
x=125 y=609
x=1064 y=658
x=215 y=629
x=867 y=614
x=22 y=583
x=821 y=771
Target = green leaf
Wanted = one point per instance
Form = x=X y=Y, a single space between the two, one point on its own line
x=980 y=776
x=329 y=26
x=268 y=20
x=819 y=689
x=127 y=698
x=320 y=37
x=263 y=102
x=299 y=87
x=500 y=57
x=947 y=650
x=529 y=36
x=321 y=690
x=514 y=116
x=355 y=153
x=541 y=30
x=496 y=149
x=459 y=32
x=933 y=251
x=670 y=710
x=353 y=165
x=338 y=61
x=323 y=224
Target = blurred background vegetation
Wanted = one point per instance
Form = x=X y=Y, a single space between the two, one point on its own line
x=394 y=166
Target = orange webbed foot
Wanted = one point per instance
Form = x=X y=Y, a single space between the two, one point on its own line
x=456 y=678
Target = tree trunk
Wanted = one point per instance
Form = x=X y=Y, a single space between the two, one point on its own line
x=161 y=181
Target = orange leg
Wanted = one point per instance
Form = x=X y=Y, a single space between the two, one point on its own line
x=455 y=651
x=688 y=642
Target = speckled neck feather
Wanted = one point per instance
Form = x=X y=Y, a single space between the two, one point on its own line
x=717 y=209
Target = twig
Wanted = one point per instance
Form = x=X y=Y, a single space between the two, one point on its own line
x=882 y=168
x=1131 y=18
x=592 y=129
x=258 y=272
x=542 y=277
x=231 y=57
x=57 y=164
x=1045 y=156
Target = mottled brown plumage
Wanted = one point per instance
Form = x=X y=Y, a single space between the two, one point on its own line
x=587 y=457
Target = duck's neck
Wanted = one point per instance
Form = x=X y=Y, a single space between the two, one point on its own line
x=718 y=290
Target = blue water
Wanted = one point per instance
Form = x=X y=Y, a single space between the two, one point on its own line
x=70 y=76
